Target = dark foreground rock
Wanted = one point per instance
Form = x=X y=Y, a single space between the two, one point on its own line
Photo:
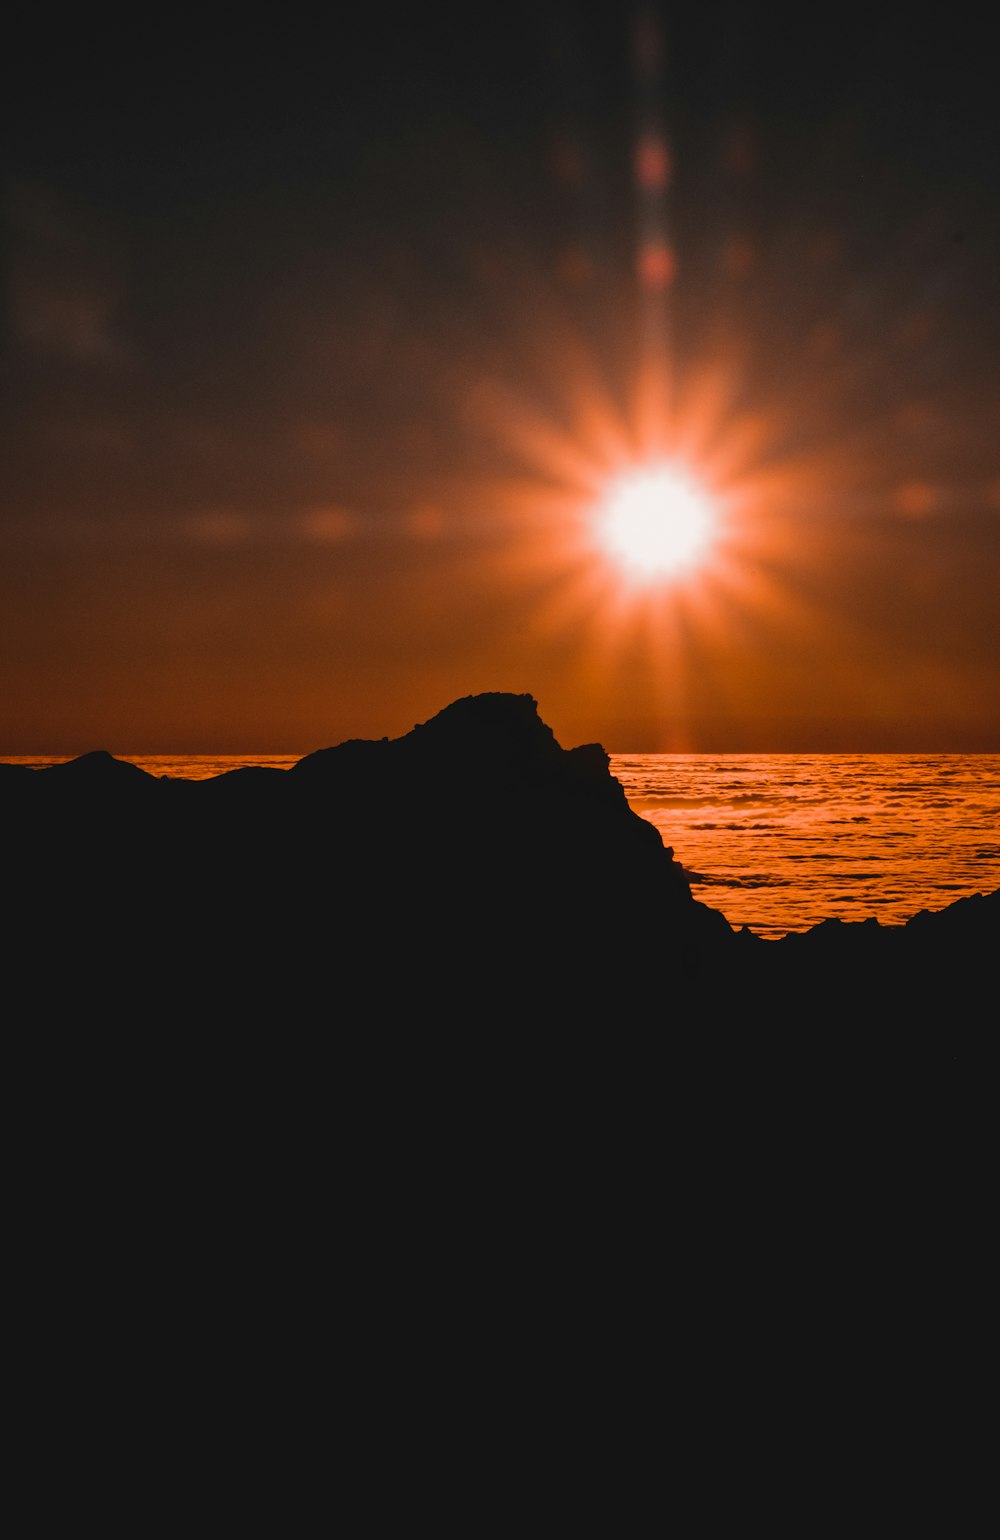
x=415 y=1078
x=470 y=873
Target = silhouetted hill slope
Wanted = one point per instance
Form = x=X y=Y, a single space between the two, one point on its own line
x=422 y=1052
x=470 y=870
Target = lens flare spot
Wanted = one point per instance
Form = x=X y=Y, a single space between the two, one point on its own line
x=652 y=162
x=657 y=265
x=656 y=522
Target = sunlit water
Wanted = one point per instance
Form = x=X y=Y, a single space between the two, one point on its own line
x=780 y=842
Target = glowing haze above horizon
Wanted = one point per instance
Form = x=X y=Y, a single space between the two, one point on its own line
x=646 y=361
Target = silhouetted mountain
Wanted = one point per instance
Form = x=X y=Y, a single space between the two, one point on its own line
x=472 y=871
x=426 y=1042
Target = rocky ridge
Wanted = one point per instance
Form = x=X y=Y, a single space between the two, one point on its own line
x=472 y=863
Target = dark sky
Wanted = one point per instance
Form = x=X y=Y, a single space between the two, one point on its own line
x=319 y=335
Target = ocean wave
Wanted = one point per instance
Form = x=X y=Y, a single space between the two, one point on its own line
x=663 y=799
x=754 y=880
x=655 y=799
x=733 y=828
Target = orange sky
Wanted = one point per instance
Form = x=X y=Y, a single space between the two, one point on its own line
x=317 y=378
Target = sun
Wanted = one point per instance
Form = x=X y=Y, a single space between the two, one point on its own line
x=656 y=522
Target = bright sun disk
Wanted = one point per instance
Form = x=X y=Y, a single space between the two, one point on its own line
x=655 y=522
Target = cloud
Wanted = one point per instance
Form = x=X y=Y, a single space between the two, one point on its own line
x=426 y=521
x=328 y=525
x=221 y=527
x=66 y=282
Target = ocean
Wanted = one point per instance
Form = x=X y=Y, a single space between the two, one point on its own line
x=780 y=842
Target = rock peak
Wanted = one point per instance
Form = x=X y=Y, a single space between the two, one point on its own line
x=490 y=723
